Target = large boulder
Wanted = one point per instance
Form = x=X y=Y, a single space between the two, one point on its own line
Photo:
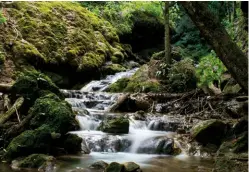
x=210 y=131
x=29 y=142
x=72 y=143
x=99 y=165
x=51 y=110
x=37 y=161
x=118 y=125
x=114 y=167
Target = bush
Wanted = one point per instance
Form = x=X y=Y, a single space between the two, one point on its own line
x=210 y=69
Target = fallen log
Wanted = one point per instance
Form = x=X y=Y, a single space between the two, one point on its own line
x=4 y=117
x=118 y=103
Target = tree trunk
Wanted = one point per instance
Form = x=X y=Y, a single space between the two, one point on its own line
x=234 y=11
x=216 y=35
x=229 y=12
x=166 y=33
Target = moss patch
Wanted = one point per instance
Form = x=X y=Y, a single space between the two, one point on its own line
x=55 y=34
x=139 y=82
x=35 y=161
x=54 y=112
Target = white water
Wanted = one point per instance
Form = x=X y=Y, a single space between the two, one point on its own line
x=92 y=105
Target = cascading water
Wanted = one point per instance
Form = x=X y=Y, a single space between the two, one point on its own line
x=141 y=143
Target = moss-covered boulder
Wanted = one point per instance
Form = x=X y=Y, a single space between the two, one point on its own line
x=99 y=165
x=29 y=142
x=118 y=86
x=36 y=161
x=72 y=143
x=31 y=84
x=114 y=167
x=139 y=82
x=118 y=125
x=56 y=113
x=53 y=36
x=131 y=167
x=181 y=76
x=111 y=69
x=210 y=131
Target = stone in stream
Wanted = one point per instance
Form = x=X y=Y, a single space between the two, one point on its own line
x=158 y=145
x=131 y=167
x=209 y=131
x=99 y=165
x=114 y=167
x=72 y=143
x=43 y=162
x=118 y=125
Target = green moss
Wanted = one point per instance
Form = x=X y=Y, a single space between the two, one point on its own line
x=30 y=141
x=54 y=112
x=35 y=161
x=72 y=143
x=117 y=125
x=55 y=33
x=25 y=51
x=112 y=69
x=139 y=82
x=182 y=76
x=118 y=86
x=114 y=166
x=29 y=84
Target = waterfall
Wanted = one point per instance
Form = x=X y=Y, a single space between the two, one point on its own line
x=91 y=104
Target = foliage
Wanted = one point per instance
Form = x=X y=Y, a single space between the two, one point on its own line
x=210 y=69
x=120 y=14
x=2 y=18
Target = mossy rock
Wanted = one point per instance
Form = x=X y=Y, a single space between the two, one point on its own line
x=35 y=161
x=30 y=85
x=63 y=35
x=72 y=143
x=51 y=110
x=139 y=82
x=118 y=125
x=131 y=167
x=29 y=142
x=210 y=131
x=99 y=165
x=112 y=69
x=118 y=86
x=182 y=77
x=114 y=167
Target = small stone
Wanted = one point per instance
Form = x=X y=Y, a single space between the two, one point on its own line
x=131 y=167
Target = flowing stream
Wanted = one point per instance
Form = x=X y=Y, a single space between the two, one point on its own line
x=140 y=145
x=91 y=104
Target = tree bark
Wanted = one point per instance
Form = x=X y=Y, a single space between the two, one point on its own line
x=166 y=33
x=216 y=35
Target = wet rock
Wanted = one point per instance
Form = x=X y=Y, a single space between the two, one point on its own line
x=139 y=115
x=237 y=109
x=119 y=125
x=114 y=167
x=240 y=126
x=99 y=165
x=72 y=143
x=163 y=125
x=209 y=131
x=158 y=145
x=131 y=167
x=41 y=161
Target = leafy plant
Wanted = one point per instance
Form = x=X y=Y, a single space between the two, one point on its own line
x=2 y=18
x=210 y=69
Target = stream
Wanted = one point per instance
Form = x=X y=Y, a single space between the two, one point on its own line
x=91 y=104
